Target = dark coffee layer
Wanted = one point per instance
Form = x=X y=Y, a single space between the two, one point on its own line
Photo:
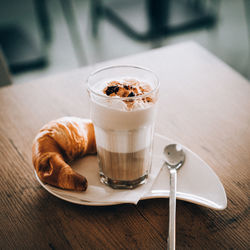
x=124 y=166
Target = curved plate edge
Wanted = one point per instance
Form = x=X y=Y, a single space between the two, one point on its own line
x=181 y=196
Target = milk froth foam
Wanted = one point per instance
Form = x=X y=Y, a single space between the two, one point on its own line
x=111 y=115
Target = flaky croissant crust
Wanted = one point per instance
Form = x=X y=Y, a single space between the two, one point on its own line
x=58 y=142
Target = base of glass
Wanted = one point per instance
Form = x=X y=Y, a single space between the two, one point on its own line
x=116 y=184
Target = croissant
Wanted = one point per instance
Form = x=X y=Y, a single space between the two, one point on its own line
x=62 y=141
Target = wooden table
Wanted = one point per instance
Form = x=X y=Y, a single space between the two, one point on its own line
x=204 y=105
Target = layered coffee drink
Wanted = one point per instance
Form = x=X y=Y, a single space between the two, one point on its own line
x=123 y=112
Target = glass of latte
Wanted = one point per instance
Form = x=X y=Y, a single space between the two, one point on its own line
x=123 y=110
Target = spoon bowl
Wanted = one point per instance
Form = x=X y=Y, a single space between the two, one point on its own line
x=174 y=156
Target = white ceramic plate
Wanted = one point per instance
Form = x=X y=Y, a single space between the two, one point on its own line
x=196 y=183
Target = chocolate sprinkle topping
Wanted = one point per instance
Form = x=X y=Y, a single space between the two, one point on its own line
x=112 y=89
x=129 y=88
x=131 y=94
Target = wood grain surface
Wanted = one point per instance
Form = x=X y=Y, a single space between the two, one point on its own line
x=204 y=105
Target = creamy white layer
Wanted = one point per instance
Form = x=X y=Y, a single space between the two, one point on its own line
x=124 y=141
x=105 y=116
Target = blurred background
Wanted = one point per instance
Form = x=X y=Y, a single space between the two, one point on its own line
x=43 y=37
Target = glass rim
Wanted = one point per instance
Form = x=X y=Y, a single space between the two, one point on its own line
x=118 y=97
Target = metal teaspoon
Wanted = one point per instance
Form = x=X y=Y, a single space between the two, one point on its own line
x=174 y=158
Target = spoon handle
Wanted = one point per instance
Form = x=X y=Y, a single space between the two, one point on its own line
x=172 y=208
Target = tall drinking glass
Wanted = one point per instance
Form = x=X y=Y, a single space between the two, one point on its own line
x=124 y=126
